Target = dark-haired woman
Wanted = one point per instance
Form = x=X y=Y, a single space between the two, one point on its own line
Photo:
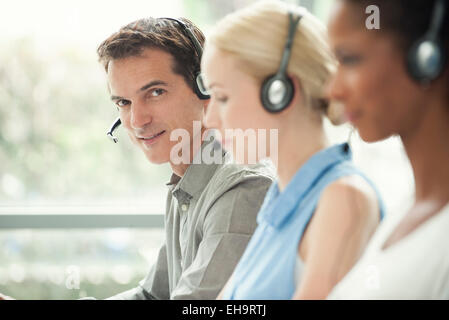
x=390 y=85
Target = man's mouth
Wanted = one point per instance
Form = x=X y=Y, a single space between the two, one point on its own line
x=153 y=136
x=150 y=139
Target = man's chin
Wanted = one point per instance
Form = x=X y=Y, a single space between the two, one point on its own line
x=156 y=159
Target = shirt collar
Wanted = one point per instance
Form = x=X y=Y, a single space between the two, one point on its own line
x=196 y=177
x=281 y=205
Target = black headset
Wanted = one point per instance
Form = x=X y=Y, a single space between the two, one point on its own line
x=427 y=57
x=277 y=90
x=198 y=85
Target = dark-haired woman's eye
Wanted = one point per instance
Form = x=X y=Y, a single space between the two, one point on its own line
x=349 y=59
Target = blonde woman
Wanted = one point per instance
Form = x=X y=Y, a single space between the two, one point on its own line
x=320 y=213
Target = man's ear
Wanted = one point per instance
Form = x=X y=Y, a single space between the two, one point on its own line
x=206 y=105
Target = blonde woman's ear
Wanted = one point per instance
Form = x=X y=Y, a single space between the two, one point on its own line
x=298 y=93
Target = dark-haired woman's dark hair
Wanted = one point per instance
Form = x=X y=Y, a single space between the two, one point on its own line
x=408 y=20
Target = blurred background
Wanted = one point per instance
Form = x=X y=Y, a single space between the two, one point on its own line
x=57 y=167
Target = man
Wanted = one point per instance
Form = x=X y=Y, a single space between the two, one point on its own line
x=151 y=65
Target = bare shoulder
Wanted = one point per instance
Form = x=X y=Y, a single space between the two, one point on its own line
x=347 y=198
x=348 y=207
x=353 y=192
x=346 y=216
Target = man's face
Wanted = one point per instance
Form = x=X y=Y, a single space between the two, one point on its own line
x=153 y=101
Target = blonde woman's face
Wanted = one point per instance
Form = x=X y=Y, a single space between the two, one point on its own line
x=235 y=104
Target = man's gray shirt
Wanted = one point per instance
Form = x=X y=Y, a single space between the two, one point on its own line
x=210 y=217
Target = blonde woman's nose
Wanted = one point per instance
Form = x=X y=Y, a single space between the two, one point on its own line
x=211 y=116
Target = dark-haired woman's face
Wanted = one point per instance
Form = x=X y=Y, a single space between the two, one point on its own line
x=371 y=81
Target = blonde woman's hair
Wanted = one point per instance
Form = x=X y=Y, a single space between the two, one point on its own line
x=256 y=37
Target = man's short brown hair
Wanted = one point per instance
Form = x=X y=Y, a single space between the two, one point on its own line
x=156 y=33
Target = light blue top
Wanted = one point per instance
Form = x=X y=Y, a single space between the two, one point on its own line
x=267 y=267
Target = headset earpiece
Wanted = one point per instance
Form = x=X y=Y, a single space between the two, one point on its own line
x=277 y=93
x=277 y=90
x=200 y=87
x=427 y=57
x=425 y=60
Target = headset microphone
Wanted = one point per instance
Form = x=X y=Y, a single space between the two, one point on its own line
x=114 y=126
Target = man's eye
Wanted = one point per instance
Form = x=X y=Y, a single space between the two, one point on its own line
x=122 y=103
x=157 y=92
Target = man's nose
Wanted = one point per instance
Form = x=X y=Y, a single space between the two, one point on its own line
x=140 y=115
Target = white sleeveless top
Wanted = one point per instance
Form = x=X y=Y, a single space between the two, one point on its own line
x=415 y=267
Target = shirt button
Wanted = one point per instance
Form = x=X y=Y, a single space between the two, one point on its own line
x=184 y=207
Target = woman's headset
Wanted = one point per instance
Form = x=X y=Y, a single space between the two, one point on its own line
x=427 y=57
x=198 y=86
x=277 y=90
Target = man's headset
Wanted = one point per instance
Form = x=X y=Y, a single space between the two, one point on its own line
x=277 y=90
x=427 y=57
x=198 y=85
